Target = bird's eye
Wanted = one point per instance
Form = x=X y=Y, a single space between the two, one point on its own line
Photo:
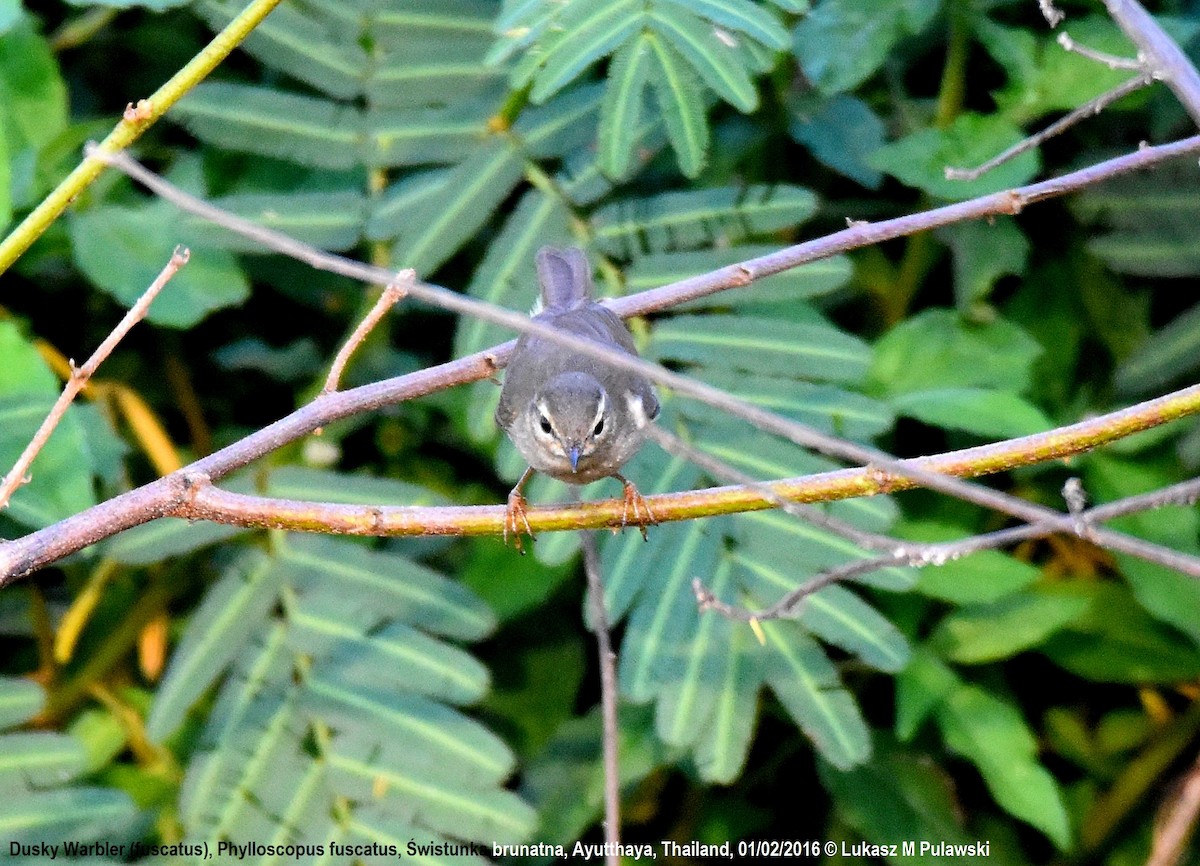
x=544 y=422
x=599 y=428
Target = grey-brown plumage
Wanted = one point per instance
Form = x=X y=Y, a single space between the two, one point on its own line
x=572 y=416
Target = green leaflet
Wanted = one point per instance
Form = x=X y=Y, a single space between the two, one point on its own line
x=714 y=60
x=269 y=122
x=326 y=220
x=704 y=217
x=300 y=44
x=338 y=695
x=219 y=630
x=807 y=685
x=624 y=100
x=681 y=103
x=783 y=290
x=585 y=40
x=20 y=700
x=38 y=759
x=991 y=733
x=438 y=225
x=742 y=16
x=815 y=351
x=78 y=814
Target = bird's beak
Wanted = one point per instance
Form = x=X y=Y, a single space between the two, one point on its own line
x=573 y=454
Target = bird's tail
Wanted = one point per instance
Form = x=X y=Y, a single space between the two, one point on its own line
x=566 y=277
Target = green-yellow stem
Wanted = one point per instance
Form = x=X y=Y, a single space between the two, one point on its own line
x=130 y=129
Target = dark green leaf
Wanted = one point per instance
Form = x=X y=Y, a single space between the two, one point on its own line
x=983 y=411
x=940 y=349
x=983 y=253
x=122 y=250
x=988 y=632
x=841 y=132
x=817 y=352
x=1117 y=642
x=992 y=734
x=921 y=159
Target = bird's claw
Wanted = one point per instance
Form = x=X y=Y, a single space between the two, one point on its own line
x=516 y=519
x=640 y=508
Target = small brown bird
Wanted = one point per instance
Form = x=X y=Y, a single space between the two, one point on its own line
x=572 y=416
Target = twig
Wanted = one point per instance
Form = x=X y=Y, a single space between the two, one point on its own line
x=80 y=375
x=392 y=295
x=1077 y=522
x=883 y=464
x=126 y=132
x=1178 y=822
x=1052 y=14
x=1163 y=56
x=608 y=698
x=722 y=471
x=163 y=497
x=1112 y=61
x=1089 y=109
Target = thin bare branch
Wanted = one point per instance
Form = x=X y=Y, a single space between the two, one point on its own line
x=1177 y=822
x=395 y=291
x=1078 y=522
x=1089 y=109
x=608 y=698
x=1051 y=13
x=165 y=496
x=891 y=470
x=1112 y=61
x=722 y=471
x=80 y=375
x=1163 y=55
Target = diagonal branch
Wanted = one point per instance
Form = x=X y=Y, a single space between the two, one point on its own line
x=166 y=495
x=80 y=375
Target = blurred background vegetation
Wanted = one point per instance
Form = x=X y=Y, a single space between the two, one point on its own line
x=193 y=682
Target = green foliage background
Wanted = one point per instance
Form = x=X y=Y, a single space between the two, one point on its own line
x=323 y=690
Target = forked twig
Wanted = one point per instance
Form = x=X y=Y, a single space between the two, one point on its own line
x=80 y=375
x=1112 y=61
x=1088 y=109
x=1078 y=521
x=395 y=291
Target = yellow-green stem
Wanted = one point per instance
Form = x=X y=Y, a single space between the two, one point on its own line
x=128 y=131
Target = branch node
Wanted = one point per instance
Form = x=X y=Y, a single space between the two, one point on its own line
x=1076 y=499
x=144 y=110
x=1053 y=16
x=1109 y=60
x=882 y=481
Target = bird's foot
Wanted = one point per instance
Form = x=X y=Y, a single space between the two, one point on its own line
x=516 y=520
x=637 y=506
